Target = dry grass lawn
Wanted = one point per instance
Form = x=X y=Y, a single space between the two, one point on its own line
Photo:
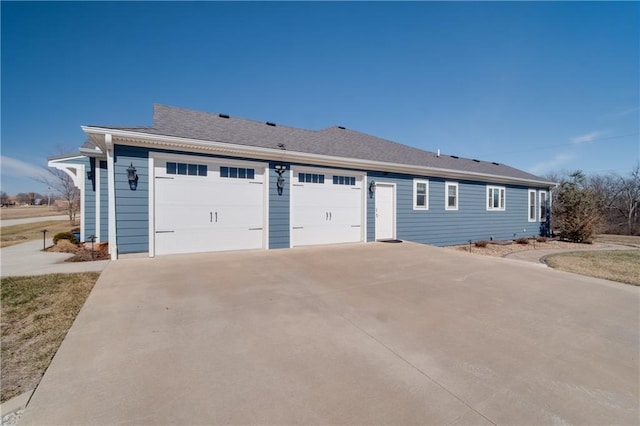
x=16 y=234
x=630 y=240
x=28 y=211
x=37 y=312
x=616 y=265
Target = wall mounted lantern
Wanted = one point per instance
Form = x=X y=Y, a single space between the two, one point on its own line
x=132 y=176
x=280 y=169
x=372 y=187
x=90 y=175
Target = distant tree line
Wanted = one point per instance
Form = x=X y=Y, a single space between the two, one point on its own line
x=604 y=203
x=22 y=198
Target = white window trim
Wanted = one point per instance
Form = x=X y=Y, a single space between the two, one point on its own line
x=546 y=199
x=415 y=194
x=446 y=196
x=535 y=205
x=490 y=207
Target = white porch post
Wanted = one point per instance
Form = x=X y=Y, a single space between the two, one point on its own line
x=96 y=177
x=111 y=182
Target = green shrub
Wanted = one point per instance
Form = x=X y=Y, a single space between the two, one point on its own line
x=481 y=243
x=522 y=240
x=65 y=236
x=542 y=239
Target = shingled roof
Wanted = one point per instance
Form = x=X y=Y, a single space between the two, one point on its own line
x=333 y=141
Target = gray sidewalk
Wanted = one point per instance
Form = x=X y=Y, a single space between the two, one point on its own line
x=29 y=259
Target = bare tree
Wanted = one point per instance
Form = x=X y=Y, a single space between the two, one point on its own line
x=4 y=198
x=63 y=185
x=628 y=200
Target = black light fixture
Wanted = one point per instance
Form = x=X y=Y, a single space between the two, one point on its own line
x=372 y=187
x=90 y=175
x=280 y=169
x=133 y=177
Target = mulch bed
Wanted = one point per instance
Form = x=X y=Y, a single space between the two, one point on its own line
x=81 y=252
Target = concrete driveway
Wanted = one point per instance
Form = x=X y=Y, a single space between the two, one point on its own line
x=364 y=333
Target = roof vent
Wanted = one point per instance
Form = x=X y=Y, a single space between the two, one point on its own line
x=340 y=127
x=268 y=123
x=223 y=116
x=455 y=156
x=493 y=162
x=477 y=161
x=280 y=145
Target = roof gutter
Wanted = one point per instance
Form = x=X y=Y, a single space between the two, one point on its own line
x=130 y=138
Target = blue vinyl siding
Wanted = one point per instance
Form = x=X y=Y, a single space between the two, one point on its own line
x=89 y=207
x=436 y=225
x=104 y=202
x=279 y=209
x=471 y=221
x=132 y=206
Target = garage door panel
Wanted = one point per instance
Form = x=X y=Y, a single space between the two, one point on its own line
x=208 y=212
x=326 y=213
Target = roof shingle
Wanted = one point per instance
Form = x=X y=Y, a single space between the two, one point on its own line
x=332 y=141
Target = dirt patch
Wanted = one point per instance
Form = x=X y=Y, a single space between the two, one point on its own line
x=37 y=312
x=81 y=252
x=501 y=249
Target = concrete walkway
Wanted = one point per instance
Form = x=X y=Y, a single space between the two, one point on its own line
x=11 y=222
x=537 y=256
x=29 y=259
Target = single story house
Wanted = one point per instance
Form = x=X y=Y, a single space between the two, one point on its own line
x=197 y=182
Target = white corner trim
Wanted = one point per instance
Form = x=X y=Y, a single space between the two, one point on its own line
x=96 y=179
x=111 y=183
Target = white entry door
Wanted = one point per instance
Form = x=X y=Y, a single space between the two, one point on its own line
x=326 y=207
x=385 y=211
x=203 y=205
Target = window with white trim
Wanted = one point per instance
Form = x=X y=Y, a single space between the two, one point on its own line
x=451 y=195
x=532 y=205
x=420 y=194
x=496 y=198
x=544 y=206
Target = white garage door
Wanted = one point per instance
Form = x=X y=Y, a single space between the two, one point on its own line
x=326 y=207
x=202 y=205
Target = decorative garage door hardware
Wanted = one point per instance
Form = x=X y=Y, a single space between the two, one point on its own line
x=163 y=177
x=164 y=232
x=211 y=217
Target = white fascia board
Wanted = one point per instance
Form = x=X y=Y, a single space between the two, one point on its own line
x=127 y=137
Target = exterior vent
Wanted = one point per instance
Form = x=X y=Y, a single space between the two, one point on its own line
x=268 y=123
x=477 y=161
x=455 y=156
x=340 y=127
x=281 y=146
x=493 y=162
x=223 y=116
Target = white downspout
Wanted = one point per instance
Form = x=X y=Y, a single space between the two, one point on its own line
x=96 y=177
x=111 y=183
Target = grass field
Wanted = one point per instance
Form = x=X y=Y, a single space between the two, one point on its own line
x=37 y=312
x=616 y=265
x=16 y=234
x=633 y=240
x=28 y=211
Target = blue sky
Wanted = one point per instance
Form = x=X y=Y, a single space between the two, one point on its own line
x=539 y=86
